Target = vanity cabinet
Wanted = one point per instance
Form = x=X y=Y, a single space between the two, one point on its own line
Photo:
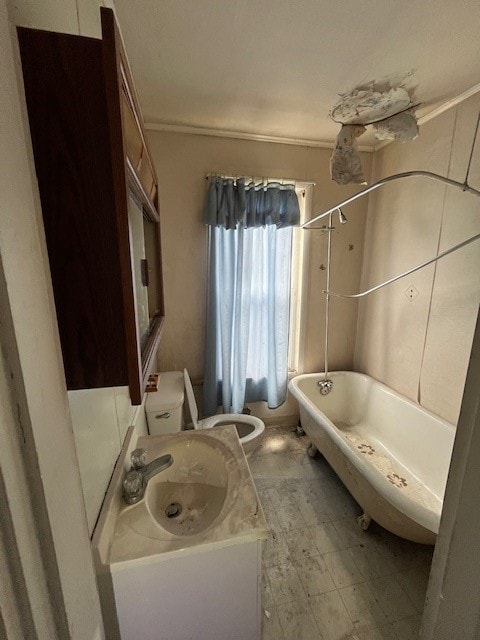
x=99 y=198
x=193 y=576
x=207 y=594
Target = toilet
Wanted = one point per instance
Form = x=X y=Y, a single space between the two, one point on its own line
x=165 y=408
x=250 y=429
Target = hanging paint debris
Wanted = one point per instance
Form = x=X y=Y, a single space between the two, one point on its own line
x=390 y=111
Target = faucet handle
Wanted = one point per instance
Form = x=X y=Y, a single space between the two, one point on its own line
x=133 y=487
x=138 y=458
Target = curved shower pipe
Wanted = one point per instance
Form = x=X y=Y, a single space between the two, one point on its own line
x=464 y=186
x=326 y=385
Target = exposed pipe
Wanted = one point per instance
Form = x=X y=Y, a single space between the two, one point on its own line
x=327 y=294
x=326 y=385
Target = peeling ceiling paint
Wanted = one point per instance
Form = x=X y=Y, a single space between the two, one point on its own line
x=387 y=106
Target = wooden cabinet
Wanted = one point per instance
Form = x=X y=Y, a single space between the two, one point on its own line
x=98 y=191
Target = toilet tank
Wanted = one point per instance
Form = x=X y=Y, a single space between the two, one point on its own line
x=164 y=407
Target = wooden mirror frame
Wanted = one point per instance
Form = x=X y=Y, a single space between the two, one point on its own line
x=121 y=100
x=148 y=349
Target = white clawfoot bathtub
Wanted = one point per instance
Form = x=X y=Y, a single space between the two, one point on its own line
x=392 y=454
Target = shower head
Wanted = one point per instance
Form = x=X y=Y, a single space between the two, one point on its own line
x=341 y=216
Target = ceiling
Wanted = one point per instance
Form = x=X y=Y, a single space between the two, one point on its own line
x=276 y=67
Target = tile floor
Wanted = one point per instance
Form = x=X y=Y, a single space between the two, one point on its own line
x=324 y=578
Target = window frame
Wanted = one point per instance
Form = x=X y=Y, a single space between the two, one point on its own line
x=299 y=282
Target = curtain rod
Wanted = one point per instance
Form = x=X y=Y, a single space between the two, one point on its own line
x=464 y=186
x=362 y=294
x=226 y=176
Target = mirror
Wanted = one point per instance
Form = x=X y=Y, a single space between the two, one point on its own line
x=145 y=260
x=140 y=282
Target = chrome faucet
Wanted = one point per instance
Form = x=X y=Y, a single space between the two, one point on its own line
x=137 y=478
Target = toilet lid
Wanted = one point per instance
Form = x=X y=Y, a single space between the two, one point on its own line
x=192 y=404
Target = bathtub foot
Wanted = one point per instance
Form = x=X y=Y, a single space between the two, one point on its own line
x=312 y=450
x=299 y=429
x=364 y=522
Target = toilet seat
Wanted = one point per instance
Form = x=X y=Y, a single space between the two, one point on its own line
x=256 y=426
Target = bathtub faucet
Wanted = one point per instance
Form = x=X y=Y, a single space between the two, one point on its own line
x=138 y=477
x=326 y=386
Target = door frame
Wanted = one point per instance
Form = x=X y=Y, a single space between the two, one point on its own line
x=45 y=556
x=452 y=604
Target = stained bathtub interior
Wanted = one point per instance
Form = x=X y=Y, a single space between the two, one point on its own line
x=392 y=454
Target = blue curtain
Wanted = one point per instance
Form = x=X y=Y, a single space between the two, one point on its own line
x=230 y=204
x=248 y=297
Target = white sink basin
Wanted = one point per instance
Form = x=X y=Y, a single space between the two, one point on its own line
x=188 y=497
x=206 y=496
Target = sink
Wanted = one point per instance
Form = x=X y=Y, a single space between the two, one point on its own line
x=194 y=538
x=206 y=497
x=191 y=499
x=188 y=497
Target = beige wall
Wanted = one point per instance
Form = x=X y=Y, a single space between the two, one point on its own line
x=421 y=347
x=182 y=161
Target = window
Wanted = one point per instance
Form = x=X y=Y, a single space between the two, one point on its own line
x=249 y=309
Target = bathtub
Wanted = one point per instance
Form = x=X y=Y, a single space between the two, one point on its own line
x=392 y=454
